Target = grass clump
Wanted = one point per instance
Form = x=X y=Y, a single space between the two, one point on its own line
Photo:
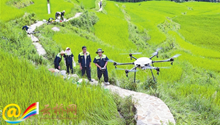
x=126 y=109
x=20 y=3
x=15 y=41
x=85 y=21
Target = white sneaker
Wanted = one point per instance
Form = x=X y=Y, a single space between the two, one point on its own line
x=106 y=83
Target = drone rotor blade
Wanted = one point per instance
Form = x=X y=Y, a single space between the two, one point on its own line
x=111 y=61
x=132 y=70
x=177 y=55
x=120 y=69
x=136 y=53
x=158 y=49
x=155 y=53
x=126 y=70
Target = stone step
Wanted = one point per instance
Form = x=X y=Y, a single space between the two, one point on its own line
x=41 y=51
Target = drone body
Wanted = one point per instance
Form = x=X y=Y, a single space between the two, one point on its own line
x=144 y=63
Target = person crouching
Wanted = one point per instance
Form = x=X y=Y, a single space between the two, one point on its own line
x=58 y=59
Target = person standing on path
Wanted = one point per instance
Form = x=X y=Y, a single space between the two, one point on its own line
x=57 y=15
x=58 y=59
x=69 y=60
x=84 y=61
x=100 y=4
x=101 y=62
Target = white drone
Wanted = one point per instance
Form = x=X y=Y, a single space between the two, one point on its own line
x=144 y=63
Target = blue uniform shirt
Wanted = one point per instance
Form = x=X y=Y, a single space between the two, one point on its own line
x=101 y=61
x=81 y=59
x=69 y=58
x=57 y=59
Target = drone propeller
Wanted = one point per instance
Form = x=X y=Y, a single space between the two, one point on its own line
x=112 y=61
x=136 y=53
x=155 y=53
x=155 y=67
x=126 y=70
x=177 y=55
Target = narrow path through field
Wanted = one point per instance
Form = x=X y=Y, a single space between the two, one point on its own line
x=41 y=51
x=150 y=109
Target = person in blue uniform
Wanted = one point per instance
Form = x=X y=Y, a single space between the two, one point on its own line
x=84 y=61
x=25 y=28
x=69 y=60
x=57 y=15
x=101 y=62
x=58 y=59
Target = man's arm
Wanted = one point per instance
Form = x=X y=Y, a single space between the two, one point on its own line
x=79 y=61
x=106 y=62
x=98 y=66
x=89 y=61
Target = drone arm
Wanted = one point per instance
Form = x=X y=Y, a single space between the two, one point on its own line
x=132 y=57
x=156 y=54
x=168 y=60
x=150 y=67
x=123 y=63
x=133 y=69
x=152 y=56
x=115 y=64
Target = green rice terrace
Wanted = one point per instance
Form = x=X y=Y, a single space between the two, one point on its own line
x=189 y=89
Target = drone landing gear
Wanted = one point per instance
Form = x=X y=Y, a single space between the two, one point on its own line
x=134 y=76
x=153 y=76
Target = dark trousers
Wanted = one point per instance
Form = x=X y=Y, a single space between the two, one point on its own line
x=56 y=66
x=88 y=72
x=105 y=74
x=69 y=66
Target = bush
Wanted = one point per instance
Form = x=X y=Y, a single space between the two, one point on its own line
x=126 y=108
x=85 y=21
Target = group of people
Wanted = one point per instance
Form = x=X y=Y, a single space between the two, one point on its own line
x=58 y=16
x=84 y=60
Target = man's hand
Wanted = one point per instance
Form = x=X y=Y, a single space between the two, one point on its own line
x=90 y=65
x=80 y=67
x=58 y=67
x=100 y=68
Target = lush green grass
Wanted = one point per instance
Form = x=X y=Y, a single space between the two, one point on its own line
x=24 y=84
x=147 y=15
x=202 y=30
x=88 y=4
x=113 y=23
x=39 y=8
x=8 y=13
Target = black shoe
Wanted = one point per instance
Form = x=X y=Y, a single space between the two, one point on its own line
x=90 y=80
